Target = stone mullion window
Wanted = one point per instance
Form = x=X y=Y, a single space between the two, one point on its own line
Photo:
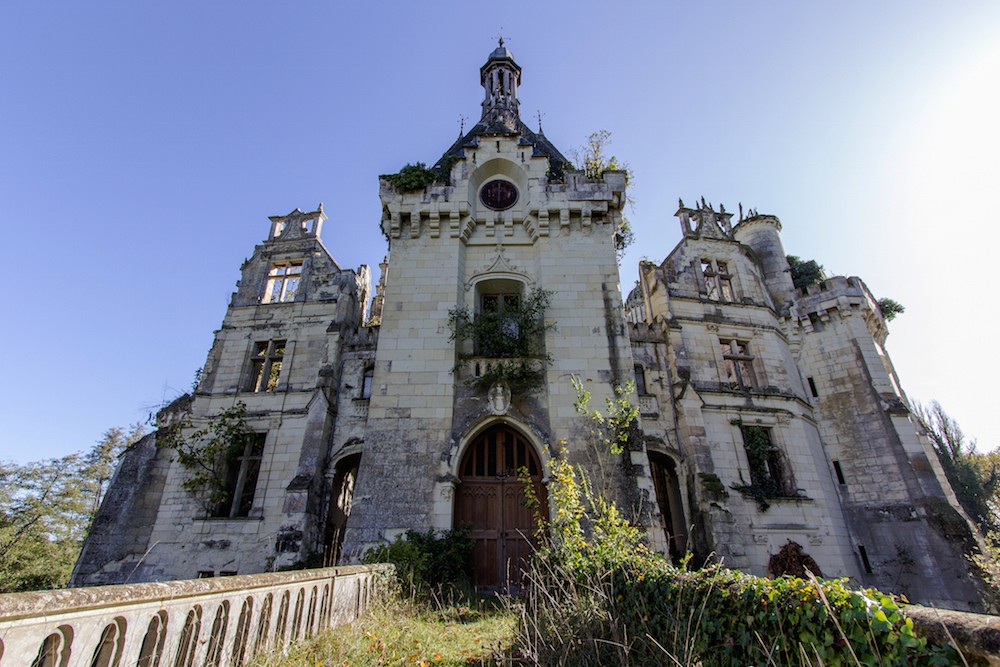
x=265 y=366
x=242 y=471
x=718 y=281
x=283 y=282
x=737 y=363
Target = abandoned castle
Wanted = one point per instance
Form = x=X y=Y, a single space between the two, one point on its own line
x=767 y=414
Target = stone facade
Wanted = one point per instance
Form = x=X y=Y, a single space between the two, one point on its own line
x=767 y=414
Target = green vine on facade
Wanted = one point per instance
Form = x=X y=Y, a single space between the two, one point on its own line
x=514 y=335
x=206 y=453
x=766 y=476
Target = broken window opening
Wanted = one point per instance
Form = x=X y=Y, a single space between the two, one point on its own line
x=766 y=462
x=242 y=471
x=738 y=364
x=265 y=368
x=718 y=280
x=283 y=282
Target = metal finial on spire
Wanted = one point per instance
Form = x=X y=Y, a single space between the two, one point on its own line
x=461 y=125
x=539 y=114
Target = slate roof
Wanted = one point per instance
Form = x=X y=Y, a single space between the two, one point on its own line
x=541 y=146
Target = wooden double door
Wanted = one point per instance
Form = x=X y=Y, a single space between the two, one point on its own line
x=492 y=502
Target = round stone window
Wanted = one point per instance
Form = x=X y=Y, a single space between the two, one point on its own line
x=498 y=195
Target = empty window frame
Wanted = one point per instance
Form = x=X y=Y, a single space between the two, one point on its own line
x=265 y=365
x=767 y=465
x=283 y=281
x=718 y=280
x=737 y=364
x=242 y=470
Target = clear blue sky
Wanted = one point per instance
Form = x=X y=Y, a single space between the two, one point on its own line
x=143 y=145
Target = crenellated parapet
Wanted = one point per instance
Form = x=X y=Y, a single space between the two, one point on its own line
x=543 y=208
x=844 y=297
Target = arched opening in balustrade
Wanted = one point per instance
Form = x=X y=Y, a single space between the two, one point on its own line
x=188 y=642
x=242 y=632
x=213 y=656
x=153 y=642
x=300 y=603
x=55 y=649
x=282 y=622
x=341 y=498
x=263 y=624
x=108 y=652
x=324 y=607
x=311 y=616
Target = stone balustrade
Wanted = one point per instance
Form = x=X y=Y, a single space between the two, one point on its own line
x=221 y=621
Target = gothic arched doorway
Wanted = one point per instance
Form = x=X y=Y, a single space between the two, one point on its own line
x=491 y=502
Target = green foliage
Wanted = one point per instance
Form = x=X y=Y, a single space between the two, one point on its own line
x=515 y=334
x=890 y=308
x=402 y=632
x=609 y=430
x=805 y=273
x=726 y=617
x=417 y=176
x=426 y=562
x=987 y=564
x=206 y=452
x=593 y=161
x=763 y=484
x=624 y=238
x=46 y=508
x=974 y=477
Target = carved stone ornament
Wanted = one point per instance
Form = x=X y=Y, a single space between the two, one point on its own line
x=499 y=398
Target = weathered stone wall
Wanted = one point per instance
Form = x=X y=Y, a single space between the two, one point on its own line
x=907 y=531
x=183 y=538
x=119 y=535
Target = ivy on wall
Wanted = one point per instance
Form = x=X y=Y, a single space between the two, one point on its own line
x=513 y=335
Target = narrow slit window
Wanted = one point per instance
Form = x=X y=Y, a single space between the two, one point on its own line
x=812 y=387
x=864 y=558
x=840 y=473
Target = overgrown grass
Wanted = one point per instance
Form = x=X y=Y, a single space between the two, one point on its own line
x=406 y=632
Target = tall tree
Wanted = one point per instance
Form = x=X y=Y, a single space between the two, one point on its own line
x=46 y=508
x=975 y=477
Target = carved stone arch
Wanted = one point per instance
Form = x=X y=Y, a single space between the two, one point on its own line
x=491 y=500
x=498 y=168
x=460 y=446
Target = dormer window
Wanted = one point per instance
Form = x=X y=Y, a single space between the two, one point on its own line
x=718 y=281
x=283 y=281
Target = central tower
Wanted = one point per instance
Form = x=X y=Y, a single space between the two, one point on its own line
x=508 y=227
